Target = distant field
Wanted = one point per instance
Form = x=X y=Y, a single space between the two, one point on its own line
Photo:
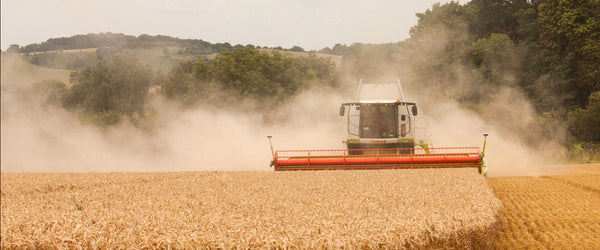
x=17 y=72
x=324 y=209
x=337 y=60
x=162 y=59
x=550 y=212
x=88 y=50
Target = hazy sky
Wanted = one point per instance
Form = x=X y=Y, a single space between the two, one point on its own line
x=311 y=24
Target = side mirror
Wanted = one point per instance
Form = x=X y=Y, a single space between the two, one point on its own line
x=414 y=110
x=342 y=110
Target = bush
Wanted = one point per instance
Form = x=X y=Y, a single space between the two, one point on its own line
x=110 y=89
x=266 y=77
x=584 y=123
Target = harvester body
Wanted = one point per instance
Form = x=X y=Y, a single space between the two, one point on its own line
x=383 y=133
x=381 y=118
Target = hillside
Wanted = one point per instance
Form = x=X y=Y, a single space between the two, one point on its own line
x=161 y=53
x=159 y=58
x=118 y=40
x=17 y=72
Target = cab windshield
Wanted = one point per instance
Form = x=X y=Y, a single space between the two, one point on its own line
x=378 y=121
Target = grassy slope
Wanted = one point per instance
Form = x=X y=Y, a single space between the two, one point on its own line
x=157 y=59
x=18 y=73
x=15 y=70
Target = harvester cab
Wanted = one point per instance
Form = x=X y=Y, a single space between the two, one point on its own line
x=381 y=118
x=383 y=133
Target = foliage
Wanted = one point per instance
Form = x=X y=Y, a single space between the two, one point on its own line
x=62 y=60
x=584 y=123
x=12 y=49
x=494 y=57
x=570 y=30
x=584 y=153
x=267 y=77
x=447 y=18
x=110 y=89
x=118 y=40
x=297 y=49
x=80 y=42
x=51 y=92
x=495 y=16
x=47 y=93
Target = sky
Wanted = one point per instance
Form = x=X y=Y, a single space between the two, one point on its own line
x=310 y=24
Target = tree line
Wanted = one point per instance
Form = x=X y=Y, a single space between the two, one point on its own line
x=119 y=40
x=118 y=88
x=270 y=77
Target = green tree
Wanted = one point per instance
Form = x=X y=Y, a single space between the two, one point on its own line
x=47 y=93
x=266 y=77
x=13 y=49
x=190 y=83
x=118 y=87
x=297 y=49
x=584 y=124
x=570 y=32
x=52 y=92
x=495 y=57
x=495 y=16
x=435 y=50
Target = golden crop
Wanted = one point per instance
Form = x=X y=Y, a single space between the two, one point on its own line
x=332 y=209
x=550 y=212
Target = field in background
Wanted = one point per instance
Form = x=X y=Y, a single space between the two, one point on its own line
x=336 y=59
x=17 y=72
x=320 y=209
x=558 y=210
x=161 y=59
x=89 y=50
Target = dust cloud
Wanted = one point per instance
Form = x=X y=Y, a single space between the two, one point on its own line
x=517 y=144
x=42 y=138
x=507 y=153
x=38 y=138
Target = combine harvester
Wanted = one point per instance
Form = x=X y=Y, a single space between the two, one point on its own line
x=382 y=134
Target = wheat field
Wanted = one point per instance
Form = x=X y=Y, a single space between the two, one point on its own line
x=550 y=212
x=321 y=209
